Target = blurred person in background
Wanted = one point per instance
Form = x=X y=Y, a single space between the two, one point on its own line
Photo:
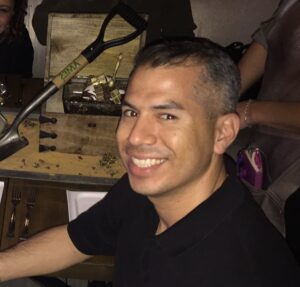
x=274 y=117
x=16 y=51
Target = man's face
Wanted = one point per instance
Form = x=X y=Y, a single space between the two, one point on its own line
x=164 y=137
x=6 y=13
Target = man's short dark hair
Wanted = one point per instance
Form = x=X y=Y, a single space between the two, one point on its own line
x=220 y=72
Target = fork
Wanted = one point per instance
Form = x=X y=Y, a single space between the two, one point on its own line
x=29 y=206
x=15 y=199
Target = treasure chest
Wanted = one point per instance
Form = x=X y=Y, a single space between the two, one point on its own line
x=82 y=116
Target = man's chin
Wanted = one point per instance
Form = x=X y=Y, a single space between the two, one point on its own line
x=144 y=186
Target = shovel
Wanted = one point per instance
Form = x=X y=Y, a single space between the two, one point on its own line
x=10 y=140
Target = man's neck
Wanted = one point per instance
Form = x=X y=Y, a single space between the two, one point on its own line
x=175 y=205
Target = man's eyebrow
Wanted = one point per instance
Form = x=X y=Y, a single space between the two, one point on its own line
x=125 y=103
x=168 y=106
x=163 y=106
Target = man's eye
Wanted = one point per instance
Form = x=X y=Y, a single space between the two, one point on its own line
x=167 y=117
x=129 y=113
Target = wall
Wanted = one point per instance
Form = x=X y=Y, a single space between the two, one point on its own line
x=227 y=21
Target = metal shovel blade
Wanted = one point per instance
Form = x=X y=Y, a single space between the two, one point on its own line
x=11 y=142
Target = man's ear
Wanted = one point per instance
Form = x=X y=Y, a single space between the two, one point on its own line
x=226 y=130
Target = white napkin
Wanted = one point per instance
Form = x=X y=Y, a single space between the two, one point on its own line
x=80 y=201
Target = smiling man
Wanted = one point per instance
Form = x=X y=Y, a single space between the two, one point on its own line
x=170 y=139
x=178 y=217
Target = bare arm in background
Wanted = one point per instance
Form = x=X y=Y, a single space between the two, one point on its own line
x=283 y=115
x=252 y=65
x=44 y=253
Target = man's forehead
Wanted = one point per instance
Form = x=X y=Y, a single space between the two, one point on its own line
x=166 y=86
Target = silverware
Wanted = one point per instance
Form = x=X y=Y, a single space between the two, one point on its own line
x=30 y=203
x=15 y=199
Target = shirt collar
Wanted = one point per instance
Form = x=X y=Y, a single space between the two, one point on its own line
x=203 y=220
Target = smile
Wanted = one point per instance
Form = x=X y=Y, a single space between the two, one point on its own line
x=146 y=163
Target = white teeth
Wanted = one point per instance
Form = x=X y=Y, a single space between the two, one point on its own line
x=144 y=163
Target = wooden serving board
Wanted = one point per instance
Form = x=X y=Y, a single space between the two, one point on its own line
x=55 y=165
x=81 y=134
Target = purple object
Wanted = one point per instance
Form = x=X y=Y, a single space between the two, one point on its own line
x=250 y=166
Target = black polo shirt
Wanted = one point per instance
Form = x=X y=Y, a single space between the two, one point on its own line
x=225 y=241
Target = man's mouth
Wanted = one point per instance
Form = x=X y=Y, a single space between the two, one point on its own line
x=147 y=162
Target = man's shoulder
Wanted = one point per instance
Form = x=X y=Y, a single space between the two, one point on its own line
x=246 y=216
x=248 y=230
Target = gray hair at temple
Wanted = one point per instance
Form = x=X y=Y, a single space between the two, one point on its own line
x=220 y=74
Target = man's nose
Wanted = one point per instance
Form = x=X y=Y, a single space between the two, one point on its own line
x=143 y=132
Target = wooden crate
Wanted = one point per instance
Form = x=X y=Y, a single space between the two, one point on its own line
x=68 y=35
